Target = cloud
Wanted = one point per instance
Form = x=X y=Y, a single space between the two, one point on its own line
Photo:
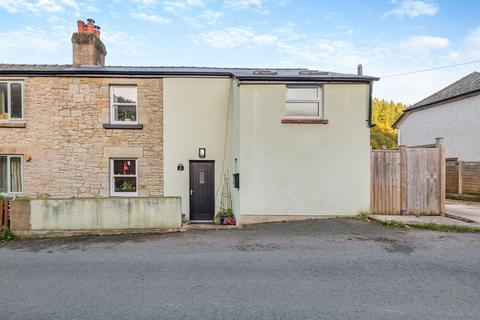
x=473 y=37
x=243 y=4
x=414 y=8
x=175 y=6
x=151 y=18
x=424 y=43
x=18 y=45
x=211 y=17
x=237 y=36
x=39 y=6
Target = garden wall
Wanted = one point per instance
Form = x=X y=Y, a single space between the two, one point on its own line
x=94 y=215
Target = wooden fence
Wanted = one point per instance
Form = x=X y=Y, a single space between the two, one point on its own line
x=408 y=180
x=463 y=178
x=4 y=213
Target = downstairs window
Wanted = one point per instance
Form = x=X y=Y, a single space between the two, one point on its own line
x=11 y=174
x=123 y=177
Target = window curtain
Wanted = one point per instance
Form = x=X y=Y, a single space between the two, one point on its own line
x=3 y=98
x=3 y=175
x=16 y=174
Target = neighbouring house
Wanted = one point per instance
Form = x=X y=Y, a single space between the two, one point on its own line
x=294 y=142
x=452 y=113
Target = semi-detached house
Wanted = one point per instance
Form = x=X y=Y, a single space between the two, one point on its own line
x=293 y=142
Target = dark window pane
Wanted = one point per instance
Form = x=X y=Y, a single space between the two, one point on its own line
x=125 y=113
x=124 y=94
x=3 y=175
x=3 y=99
x=16 y=100
x=124 y=167
x=125 y=184
x=16 y=174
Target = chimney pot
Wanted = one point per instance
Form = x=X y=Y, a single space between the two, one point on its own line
x=88 y=49
x=90 y=27
x=81 y=26
x=360 y=70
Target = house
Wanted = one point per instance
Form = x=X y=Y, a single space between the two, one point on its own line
x=452 y=113
x=293 y=143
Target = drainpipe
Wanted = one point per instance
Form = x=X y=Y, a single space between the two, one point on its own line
x=370 y=102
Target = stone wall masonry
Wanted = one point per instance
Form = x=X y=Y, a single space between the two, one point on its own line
x=66 y=141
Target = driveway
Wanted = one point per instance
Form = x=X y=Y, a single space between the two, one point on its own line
x=326 y=269
x=464 y=209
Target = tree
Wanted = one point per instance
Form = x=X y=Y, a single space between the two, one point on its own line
x=384 y=115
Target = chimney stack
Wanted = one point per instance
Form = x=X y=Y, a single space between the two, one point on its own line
x=360 y=70
x=88 y=49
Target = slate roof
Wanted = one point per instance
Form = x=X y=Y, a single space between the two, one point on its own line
x=254 y=74
x=466 y=85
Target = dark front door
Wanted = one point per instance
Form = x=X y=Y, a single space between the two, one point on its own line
x=202 y=190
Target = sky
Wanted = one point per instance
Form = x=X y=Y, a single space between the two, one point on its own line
x=387 y=36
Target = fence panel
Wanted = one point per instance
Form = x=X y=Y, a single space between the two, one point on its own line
x=408 y=180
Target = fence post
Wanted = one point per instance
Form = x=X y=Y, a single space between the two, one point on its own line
x=441 y=151
x=403 y=179
x=460 y=177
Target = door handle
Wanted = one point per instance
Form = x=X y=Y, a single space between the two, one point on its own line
x=191 y=192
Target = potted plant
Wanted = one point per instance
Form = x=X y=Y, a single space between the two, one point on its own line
x=126 y=186
x=225 y=217
x=126 y=116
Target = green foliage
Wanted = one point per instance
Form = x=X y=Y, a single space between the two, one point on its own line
x=6 y=234
x=392 y=223
x=224 y=213
x=446 y=228
x=126 y=186
x=363 y=215
x=384 y=115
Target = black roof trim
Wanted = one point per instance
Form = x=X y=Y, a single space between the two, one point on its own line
x=239 y=73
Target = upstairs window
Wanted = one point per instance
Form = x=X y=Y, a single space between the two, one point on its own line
x=123 y=104
x=304 y=102
x=123 y=177
x=11 y=100
x=11 y=174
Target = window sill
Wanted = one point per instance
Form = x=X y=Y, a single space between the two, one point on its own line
x=123 y=126
x=12 y=124
x=304 y=121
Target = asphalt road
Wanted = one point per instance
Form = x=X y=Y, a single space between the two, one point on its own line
x=331 y=269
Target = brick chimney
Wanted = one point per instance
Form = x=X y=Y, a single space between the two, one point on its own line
x=88 y=49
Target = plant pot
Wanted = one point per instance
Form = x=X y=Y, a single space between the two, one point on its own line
x=230 y=221
x=222 y=220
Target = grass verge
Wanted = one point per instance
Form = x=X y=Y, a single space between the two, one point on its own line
x=429 y=226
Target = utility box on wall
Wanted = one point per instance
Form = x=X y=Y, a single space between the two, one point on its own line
x=236 y=180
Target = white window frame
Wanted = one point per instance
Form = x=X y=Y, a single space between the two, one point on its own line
x=319 y=100
x=113 y=104
x=9 y=101
x=9 y=182
x=113 y=176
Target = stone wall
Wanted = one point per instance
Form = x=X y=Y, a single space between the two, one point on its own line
x=67 y=149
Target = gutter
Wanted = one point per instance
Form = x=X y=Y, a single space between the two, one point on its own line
x=102 y=72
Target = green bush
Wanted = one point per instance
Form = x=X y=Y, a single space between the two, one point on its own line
x=6 y=234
